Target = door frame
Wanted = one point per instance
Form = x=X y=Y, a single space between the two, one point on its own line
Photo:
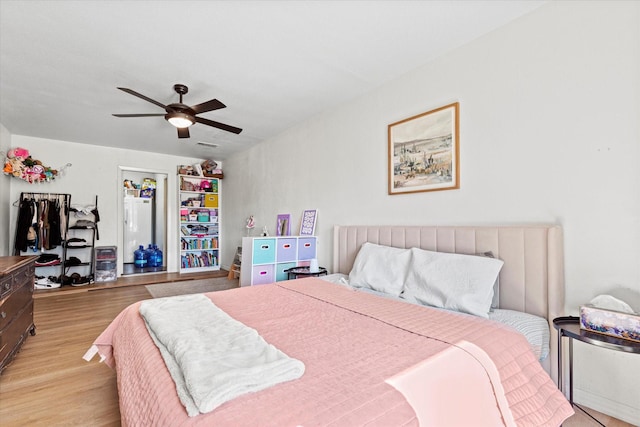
x=168 y=254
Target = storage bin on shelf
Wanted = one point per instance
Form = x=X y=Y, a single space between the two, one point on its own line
x=105 y=264
x=211 y=200
x=194 y=201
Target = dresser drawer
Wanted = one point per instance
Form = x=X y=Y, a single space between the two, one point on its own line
x=263 y=274
x=281 y=270
x=14 y=302
x=306 y=248
x=24 y=277
x=264 y=251
x=6 y=285
x=14 y=334
x=14 y=281
x=287 y=250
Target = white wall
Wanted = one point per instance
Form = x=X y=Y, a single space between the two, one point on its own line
x=95 y=171
x=549 y=133
x=5 y=202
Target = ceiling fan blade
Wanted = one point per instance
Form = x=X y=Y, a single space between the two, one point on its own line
x=134 y=93
x=218 y=125
x=183 y=132
x=138 y=115
x=210 y=105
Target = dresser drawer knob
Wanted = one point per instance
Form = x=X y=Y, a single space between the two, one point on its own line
x=3 y=315
x=7 y=286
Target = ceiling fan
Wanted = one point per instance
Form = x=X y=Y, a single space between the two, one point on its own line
x=180 y=115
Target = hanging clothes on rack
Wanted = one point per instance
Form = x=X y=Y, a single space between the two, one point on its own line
x=55 y=234
x=42 y=221
x=25 y=220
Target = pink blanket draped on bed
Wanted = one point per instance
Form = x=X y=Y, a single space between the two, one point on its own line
x=350 y=343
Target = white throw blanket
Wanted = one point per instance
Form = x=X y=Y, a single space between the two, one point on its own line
x=212 y=357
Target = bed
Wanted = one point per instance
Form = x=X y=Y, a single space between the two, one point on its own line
x=372 y=360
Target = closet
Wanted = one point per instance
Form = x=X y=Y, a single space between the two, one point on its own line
x=62 y=236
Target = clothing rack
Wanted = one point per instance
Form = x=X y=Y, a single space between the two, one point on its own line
x=23 y=222
x=40 y=196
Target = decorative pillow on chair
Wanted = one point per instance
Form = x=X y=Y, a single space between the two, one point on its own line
x=452 y=281
x=381 y=268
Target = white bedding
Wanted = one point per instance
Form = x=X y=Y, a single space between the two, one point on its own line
x=534 y=328
x=212 y=357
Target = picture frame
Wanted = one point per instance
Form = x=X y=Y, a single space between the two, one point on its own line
x=308 y=223
x=424 y=152
x=283 y=225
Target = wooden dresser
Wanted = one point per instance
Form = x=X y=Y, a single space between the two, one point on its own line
x=16 y=304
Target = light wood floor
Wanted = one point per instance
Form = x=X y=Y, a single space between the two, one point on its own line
x=48 y=384
x=131 y=280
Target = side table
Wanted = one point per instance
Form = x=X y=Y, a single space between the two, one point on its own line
x=295 y=272
x=569 y=326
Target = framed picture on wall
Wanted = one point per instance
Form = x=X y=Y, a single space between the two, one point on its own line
x=424 y=152
x=283 y=225
x=308 y=224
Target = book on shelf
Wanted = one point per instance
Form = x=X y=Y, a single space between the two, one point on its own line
x=204 y=259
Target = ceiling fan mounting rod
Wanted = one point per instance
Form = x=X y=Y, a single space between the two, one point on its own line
x=181 y=90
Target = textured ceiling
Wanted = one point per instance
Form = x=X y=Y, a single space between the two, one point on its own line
x=273 y=63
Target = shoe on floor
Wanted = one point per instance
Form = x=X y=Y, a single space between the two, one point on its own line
x=78 y=280
x=45 y=283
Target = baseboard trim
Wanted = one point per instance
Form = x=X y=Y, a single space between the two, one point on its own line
x=607 y=406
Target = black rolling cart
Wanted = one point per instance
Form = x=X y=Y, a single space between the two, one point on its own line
x=298 y=272
x=79 y=253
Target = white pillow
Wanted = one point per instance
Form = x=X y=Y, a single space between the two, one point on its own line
x=495 y=302
x=336 y=278
x=452 y=281
x=381 y=268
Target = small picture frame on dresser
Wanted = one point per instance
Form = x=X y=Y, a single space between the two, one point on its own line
x=283 y=225
x=308 y=223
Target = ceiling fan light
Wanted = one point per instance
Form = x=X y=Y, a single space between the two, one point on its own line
x=180 y=120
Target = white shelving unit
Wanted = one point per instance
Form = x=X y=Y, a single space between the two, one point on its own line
x=199 y=223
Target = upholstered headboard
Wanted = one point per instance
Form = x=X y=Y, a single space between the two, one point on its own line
x=531 y=280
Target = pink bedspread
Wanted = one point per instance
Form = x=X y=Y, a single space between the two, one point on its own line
x=350 y=343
